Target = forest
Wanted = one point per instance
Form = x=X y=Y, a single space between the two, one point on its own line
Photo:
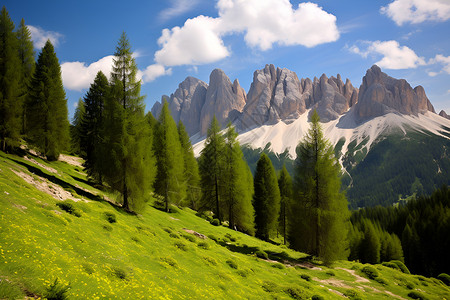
x=140 y=156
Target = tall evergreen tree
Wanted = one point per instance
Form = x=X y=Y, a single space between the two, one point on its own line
x=169 y=158
x=27 y=66
x=47 y=121
x=211 y=167
x=237 y=190
x=129 y=167
x=191 y=173
x=91 y=141
x=319 y=222
x=370 y=244
x=285 y=186
x=10 y=108
x=266 y=199
x=76 y=128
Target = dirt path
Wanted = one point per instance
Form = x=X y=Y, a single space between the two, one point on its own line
x=71 y=160
x=32 y=160
x=358 y=278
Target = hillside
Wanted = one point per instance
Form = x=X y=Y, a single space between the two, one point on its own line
x=104 y=252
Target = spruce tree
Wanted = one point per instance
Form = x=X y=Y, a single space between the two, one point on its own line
x=91 y=141
x=76 y=128
x=191 y=173
x=370 y=244
x=129 y=165
x=319 y=222
x=169 y=182
x=266 y=198
x=47 y=121
x=27 y=66
x=10 y=107
x=211 y=167
x=285 y=186
x=237 y=190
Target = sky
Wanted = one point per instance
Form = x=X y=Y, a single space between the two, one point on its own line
x=174 y=39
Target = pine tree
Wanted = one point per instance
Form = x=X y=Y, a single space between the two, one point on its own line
x=170 y=175
x=211 y=167
x=266 y=199
x=370 y=244
x=27 y=66
x=237 y=190
x=76 y=128
x=129 y=167
x=191 y=173
x=10 y=107
x=91 y=141
x=47 y=121
x=285 y=186
x=319 y=213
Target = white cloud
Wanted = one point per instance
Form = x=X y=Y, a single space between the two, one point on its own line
x=197 y=42
x=152 y=72
x=432 y=73
x=394 y=56
x=78 y=76
x=178 y=8
x=443 y=60
x=40 y=36
x=263 y=22
x=417 y=11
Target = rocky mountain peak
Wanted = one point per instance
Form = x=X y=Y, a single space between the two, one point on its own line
x=442 y=113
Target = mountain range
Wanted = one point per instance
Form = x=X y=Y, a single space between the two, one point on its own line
x=381 y=118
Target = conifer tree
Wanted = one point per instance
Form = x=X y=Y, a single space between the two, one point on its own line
x=76 y=128
x=191 y=173
x=47 y=121
x=27 y=66
x=285 y=186
x=91 y=141
x=319 y=222
x=129 y=167
x=211 y=167
x=266 y=198
x=237 y=190
x=10 y=108
x=169 y=158
x=370 y=244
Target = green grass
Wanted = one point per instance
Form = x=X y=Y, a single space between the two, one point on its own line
x=150 y=255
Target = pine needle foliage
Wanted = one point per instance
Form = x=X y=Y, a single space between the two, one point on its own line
x=285 y=186
x=319 y=212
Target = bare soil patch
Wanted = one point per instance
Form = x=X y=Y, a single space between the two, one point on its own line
x=32 y=160
x=199 y=235
x=71 y=160
x=358 y=278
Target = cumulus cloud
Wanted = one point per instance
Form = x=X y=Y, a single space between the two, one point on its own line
x=417 y=11
x=178 y=8
x=78 y=75
x=394 y=56
x=40 y=36
x=152 y=72
x=263 y=22
x=442 y=60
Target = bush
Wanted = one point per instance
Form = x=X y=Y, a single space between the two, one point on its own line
x=445 y=278
x=279 y=266
x=210 y=260
x=417 y=295
x=174 y=235
x=110 y=217
x=169 y=260
x=180 y=245
x=370 y=272
x=203 y=245
x=297 y=293
x=215 y=222
x=232 y=264
x=230 y=237
x=107 y=227
x=69 y=208
x=410 y=286
x=401 y=265
x=189 y=237
x=317 y=297
x=57 y=291
x=306 y=277
x=120 y=273
x=213 y=237
x=353 y=294
x=330 y=272
x=381 y=280
x=262 y=254
x=391 y=265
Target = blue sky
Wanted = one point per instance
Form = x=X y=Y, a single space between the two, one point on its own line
x=174 y=39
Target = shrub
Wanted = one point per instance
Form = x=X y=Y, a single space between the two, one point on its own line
x=391 y=265
x=370 y=271
x=353 y=294
x=69 y=208
x=296 y=293
x=57 y=291
x=401 y=265
x=269 y=286
x=417 y=295
x=381 y=280
x=279 y=266
x=107 y=227
x=317 y=297
x=168 y=230
x=110 y=217
x=210 y=260
x=242 y=273
x=180 y=245
x=215 y=222
x=232 y=263
x=445 y=278
x=169 y=260
x=120 y=273
x=203 y=245
x=174 y=235
x=88 y=269
x=262 y=254
x=306 y=277
x=330 y=272
x=189 y=237
x=213 y=237
x=410 y=286
x=230 y=237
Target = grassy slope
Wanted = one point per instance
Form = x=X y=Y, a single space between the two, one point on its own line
x=150 y=255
